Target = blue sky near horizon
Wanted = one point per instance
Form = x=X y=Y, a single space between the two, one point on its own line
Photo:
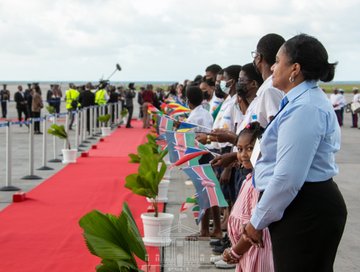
x=162 y=40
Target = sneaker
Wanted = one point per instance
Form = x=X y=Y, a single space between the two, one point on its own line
x=215 y=243
x=214 y=259
x=224 y=265
x=220 y=249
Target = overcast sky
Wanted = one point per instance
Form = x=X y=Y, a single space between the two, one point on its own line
x=162 y=40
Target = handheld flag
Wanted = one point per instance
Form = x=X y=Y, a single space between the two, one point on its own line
x=207 y=187
x=178 y=143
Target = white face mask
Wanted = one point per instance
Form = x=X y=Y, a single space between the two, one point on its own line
x=223 y=87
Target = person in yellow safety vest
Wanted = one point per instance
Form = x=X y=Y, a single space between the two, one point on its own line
x=71 y=99
x=101 y=95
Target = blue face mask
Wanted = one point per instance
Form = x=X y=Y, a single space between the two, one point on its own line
x=224 y=88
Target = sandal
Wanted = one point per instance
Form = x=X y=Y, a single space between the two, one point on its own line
x=197 y=237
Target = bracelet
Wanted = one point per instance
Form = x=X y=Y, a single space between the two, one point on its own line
x=234 y=254
x=208 y=141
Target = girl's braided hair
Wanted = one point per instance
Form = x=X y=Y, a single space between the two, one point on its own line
x=253 y=129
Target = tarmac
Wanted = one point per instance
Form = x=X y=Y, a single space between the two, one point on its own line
x=182 y=255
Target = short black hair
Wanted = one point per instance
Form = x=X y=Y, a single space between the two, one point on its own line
x=208 y=81
x=213 y=68
x=194 y=95
x=268 y=46
x=233 y=71
x=251 y=73
x=131 y=85
x=312 y=57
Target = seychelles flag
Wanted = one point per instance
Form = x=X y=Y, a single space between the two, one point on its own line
x=207 y=187
x=153 y=110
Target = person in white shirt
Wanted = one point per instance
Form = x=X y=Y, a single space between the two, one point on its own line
x=198 y=114
x=266 y=103
x=356 y=99
x=210 y=78
x=342 y=104
x=336 y=101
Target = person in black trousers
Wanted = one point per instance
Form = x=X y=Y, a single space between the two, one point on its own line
x=129 y=95
x=87 y=99
x=113 y=98
x=4 y=98
x=21 y=104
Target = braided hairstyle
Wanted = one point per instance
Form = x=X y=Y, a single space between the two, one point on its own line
x=253 y=129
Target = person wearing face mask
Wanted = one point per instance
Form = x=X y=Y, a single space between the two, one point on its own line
x=265 y=104
x=207 y=90
x=230 y=76
x=268 y=98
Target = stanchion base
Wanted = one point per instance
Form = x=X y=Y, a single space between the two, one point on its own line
x=91 y=138
x=9 y=188
x=45 y=168
x=86 y=142
x=80 y=150
x=29 y=177
x=55 y=160
x=82 y=145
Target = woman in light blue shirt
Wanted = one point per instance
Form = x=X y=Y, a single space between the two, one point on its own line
x=300 y=203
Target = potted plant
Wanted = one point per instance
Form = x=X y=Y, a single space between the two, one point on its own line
x=123 y=114
x=69 y=155
x=146 y=183
x=142 y=152
x=51 y=110
x=115 y=239
x=105 y=129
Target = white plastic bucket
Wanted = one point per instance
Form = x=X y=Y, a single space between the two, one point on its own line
x=69 y=155
x=157 y=229
x=105 y=131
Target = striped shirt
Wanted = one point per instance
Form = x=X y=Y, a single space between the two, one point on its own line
x=255 y=259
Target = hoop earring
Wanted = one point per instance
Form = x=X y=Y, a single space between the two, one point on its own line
x=291 y=79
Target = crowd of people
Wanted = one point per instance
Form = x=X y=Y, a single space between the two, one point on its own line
x=29 y=103
x=277 y=133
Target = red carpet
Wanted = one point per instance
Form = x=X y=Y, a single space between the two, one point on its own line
x=42 y=234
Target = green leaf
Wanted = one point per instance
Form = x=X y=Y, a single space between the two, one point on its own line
x=106 y=249
x=108 y=266
x=114 y=239
x=136 y=243
x=58 y=131
x=134 y=158
x=104 y=118
x=99 y=224
x=50 y=109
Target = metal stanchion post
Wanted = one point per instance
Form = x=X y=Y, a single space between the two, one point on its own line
x=31 y=153
x=116 y=105
x=55 y=159
x=109 y=110
x=77 y=131
x=8 y=186
x=81 y=115
x=44 y=147
x=67 y=126
x=91 y=123
x=85 y=124
x=97 y=111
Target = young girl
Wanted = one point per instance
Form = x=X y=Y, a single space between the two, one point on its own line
x=247 y=257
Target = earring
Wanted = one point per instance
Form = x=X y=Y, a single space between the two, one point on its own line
x=291 y=79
